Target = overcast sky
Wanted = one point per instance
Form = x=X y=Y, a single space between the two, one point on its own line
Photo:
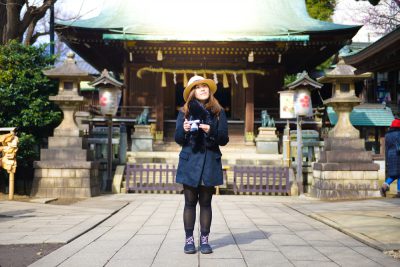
x=344 y=13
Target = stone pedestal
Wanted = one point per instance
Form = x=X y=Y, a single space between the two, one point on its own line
x=267 y=141
x=345 y=171
x=310 y=153
x=142 y=139
x=66 y=169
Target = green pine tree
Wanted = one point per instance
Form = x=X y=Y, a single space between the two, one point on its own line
x=321 y=9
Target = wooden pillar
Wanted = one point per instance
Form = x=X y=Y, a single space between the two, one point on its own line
x=159 y=106
x=249 y=118
x=125 y=90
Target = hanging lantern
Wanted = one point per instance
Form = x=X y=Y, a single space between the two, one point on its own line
x=251 y=57
x=159 y=55
x=109 y=98
x=302 y=103
x=286 y=104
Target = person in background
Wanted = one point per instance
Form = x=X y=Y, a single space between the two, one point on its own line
x=201 y=127
x=392 y=157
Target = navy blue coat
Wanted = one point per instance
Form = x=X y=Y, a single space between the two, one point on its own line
x=392 y=139
x=204 y=164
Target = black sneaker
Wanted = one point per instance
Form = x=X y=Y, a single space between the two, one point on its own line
x=383 y=190
x=189 y=245
x=205 y=248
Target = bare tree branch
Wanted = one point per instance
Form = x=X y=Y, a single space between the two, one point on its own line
x=10 y=14
x=35 y=13
x=36 y=35
x=383 y=18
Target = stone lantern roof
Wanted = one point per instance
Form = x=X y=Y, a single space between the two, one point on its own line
x=342 y=71
x=106 y=79
x=68 y=69
x=303 y=80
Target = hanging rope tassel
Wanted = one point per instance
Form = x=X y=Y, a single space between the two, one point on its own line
x=225 y=80
x=163 y=80
x=174 y=77
x=185 y=80
x=244 y=81
x=215 y=78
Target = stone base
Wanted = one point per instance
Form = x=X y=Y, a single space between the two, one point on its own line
x=142 y=139
x=142 y=144
x=267 y=141
x=345 y=184
x=266 y=147
x=65 y=170
x=65 y=179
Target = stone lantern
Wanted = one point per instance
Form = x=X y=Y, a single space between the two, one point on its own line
x=65 y=169
x=303 y=85
x=109 y=98
x=345 y=169
x=343 y=98
x=68 y=98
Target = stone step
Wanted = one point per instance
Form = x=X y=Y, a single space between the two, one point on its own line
x=344 y=143
x=72 y=154
x=58 y=142
x=337 y=156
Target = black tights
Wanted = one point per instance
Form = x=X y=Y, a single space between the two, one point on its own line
x=203 y=195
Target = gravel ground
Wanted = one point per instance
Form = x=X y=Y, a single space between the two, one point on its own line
x=23 y=255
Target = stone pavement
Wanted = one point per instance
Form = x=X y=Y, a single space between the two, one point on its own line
x=246 y=231
x=375 y=222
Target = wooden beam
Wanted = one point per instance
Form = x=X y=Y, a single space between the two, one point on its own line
x=159 y=105
x=249 y=121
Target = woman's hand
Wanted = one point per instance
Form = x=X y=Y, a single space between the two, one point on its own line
x=186 y=126
x=205 y=127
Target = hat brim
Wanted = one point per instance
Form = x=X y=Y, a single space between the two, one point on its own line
x=211 y=84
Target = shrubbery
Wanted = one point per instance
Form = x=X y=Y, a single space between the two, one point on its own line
x=24 y=103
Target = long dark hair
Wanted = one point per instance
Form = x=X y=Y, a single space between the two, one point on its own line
x=212 y=104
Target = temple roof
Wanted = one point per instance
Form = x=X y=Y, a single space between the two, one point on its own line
x=366 y=115
x=382 y=55
x=224 y=20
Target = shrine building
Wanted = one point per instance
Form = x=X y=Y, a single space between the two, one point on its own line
x=248 y=47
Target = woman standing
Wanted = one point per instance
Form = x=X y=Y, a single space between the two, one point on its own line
x=201 y=127
x=392 y=157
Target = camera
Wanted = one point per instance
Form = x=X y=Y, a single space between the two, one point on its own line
x=194 y=125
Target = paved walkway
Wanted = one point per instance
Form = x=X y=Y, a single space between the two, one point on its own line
x=246 y=231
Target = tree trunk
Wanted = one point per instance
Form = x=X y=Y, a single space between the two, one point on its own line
x=29 y=33
x=3 y=20
x=12 y=26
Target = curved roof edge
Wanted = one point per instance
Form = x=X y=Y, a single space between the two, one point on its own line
x=392 y=38
x=255 y=18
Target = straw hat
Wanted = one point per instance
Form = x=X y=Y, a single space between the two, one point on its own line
x=195 y=80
